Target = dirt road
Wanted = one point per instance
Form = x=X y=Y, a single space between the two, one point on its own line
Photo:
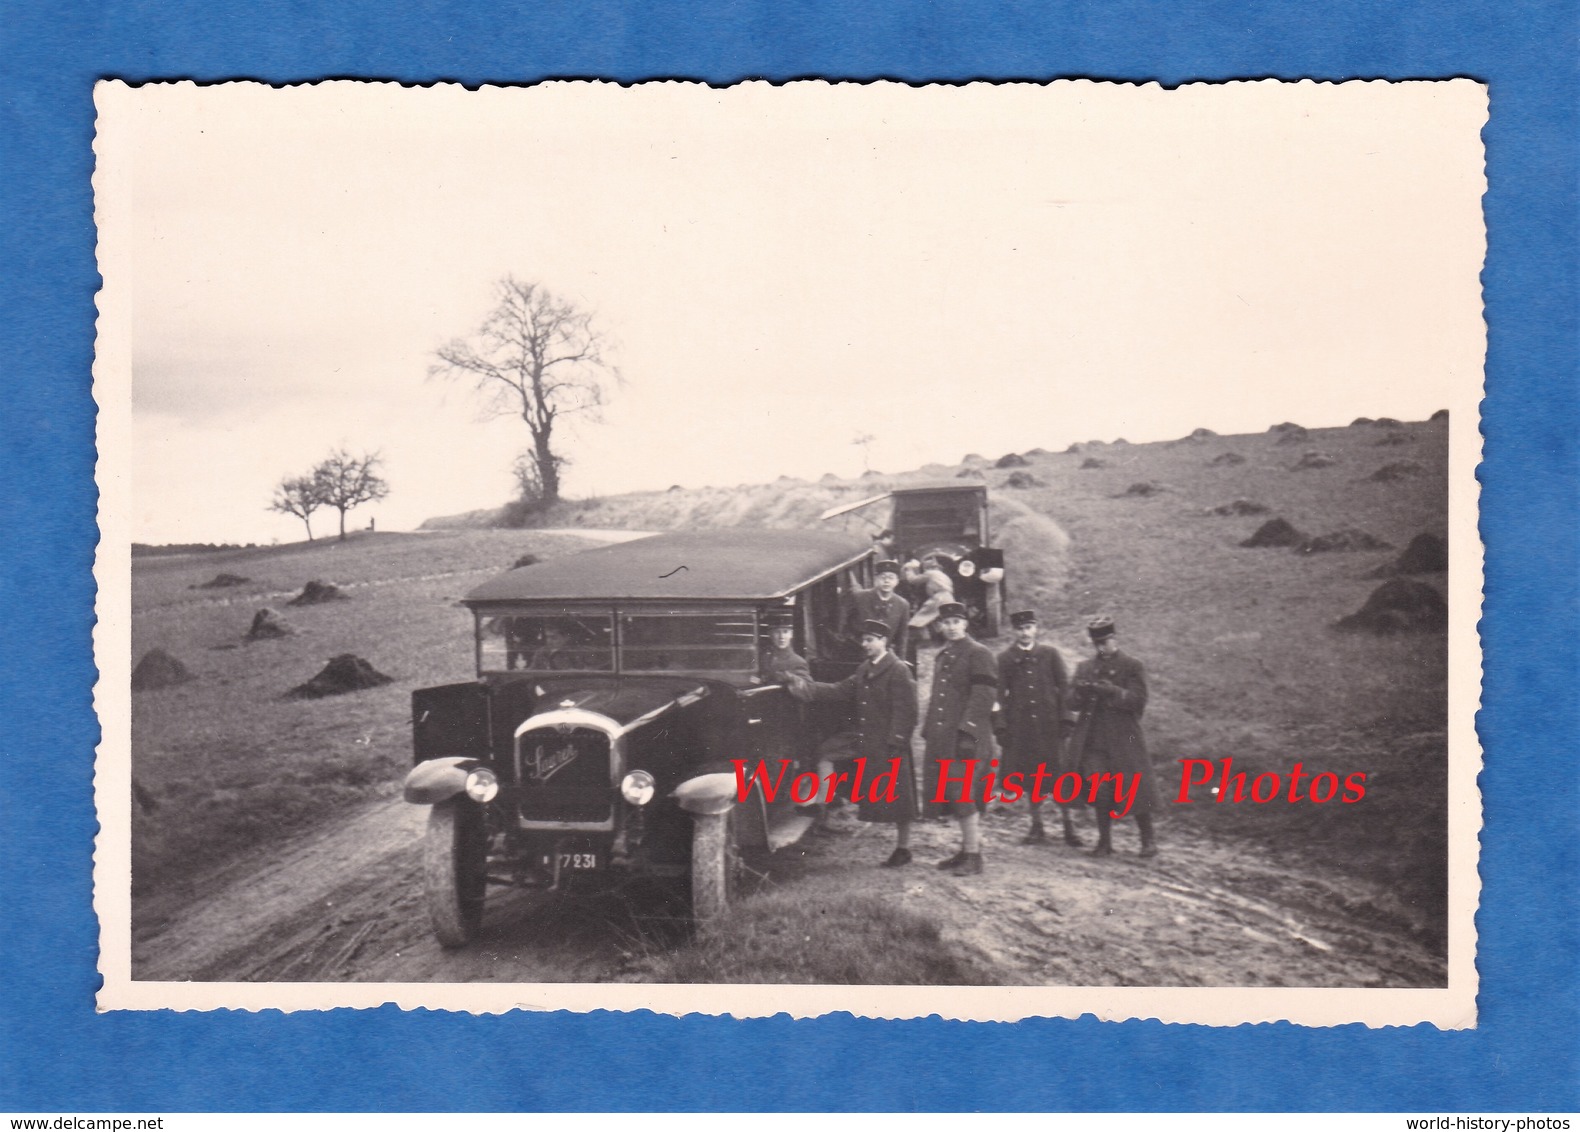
x=345 y=903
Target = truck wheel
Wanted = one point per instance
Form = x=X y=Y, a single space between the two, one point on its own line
x=455 y=870
x=715 y=864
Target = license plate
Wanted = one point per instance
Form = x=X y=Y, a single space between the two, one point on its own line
x=571 y=861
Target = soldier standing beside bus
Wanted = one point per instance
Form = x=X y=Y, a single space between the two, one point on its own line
x=958 y=732
x=885 y=697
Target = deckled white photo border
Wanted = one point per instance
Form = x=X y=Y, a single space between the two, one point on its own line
x=1452 y=1007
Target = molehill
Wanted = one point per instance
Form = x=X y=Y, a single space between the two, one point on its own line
x=1275 y=532
x=317 y=593
x=344 y=673
x=1240 y=507
x=222 y=581
x=1403 y=470
x=158 y=669
x=1349 y=538
x=1426 y=554
x=268 y=625
x=1401 y=605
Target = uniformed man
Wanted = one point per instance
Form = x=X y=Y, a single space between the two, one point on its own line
x=1110 y=693
x=958 y=728
x=881 y=603
x=885 y=697
x=1029 y=722
x=778 y=660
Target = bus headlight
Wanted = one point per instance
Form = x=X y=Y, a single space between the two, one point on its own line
x=637 y=788
x=482 y=785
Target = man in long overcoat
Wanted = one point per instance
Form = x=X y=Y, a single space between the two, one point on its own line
x=1029 y=723
x=885 y=697
x=958 y=731
x=882 y=603
x=1110 y=693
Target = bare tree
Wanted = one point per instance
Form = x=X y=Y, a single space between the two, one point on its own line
x=538 y=356
x=344 y=482
x=298 y=495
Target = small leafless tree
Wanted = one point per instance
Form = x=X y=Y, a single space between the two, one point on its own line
x=298 y=495
x=539 y=356
x=520 y=511
x=344 y=482
x=864 y=441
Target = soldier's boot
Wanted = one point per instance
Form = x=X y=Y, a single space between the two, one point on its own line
x=1149 y=841
x=1105 y=835
x=1037 y=835
x=1070 y=836
x=970 y=865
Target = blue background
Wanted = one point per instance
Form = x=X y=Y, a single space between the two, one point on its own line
x=56 y=1054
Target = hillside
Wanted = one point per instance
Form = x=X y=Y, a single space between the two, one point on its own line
x=1239 y=642
x=234 y=782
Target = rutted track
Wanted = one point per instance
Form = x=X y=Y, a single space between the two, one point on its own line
x=344 y=903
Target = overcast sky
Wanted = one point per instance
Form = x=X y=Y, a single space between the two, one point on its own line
x=951 y=270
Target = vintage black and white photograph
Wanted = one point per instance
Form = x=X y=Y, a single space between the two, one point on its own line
x=989 y=551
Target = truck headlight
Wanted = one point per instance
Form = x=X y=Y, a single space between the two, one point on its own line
x=482 y=785
x=637 y=788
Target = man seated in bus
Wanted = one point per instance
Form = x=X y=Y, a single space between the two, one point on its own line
x=555 y=653
x=778 y=661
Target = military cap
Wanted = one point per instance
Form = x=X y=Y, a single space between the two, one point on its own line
x=779 y=619
x=875 y=628
x=1100 y=628
x=952 y=609
x=887 y=566
x=1024 y=617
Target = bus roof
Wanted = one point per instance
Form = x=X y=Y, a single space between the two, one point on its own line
x=715 y=565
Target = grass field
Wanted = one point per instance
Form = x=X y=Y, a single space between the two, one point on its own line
x=1238 y=643
x=1241 y=655
x=225 y=762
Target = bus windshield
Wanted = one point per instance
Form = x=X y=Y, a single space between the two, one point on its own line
x=688 y=641
x=547 y=640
